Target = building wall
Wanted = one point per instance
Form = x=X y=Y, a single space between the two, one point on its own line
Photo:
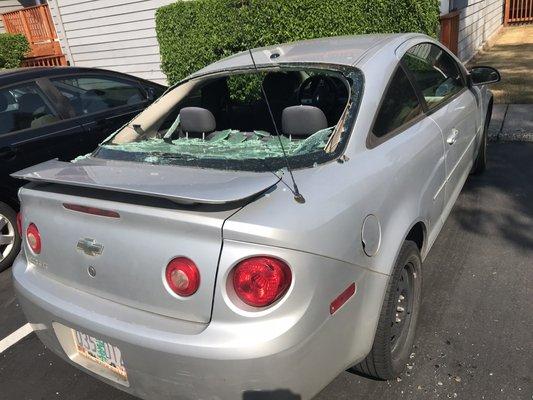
x=117 y=35
x=444 y=6
x=478 y=21
x=6 y=6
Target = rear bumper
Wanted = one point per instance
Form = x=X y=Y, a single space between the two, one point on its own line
x=173 y=359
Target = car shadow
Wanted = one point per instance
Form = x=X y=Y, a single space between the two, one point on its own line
x=509 y=212
x=280 y=394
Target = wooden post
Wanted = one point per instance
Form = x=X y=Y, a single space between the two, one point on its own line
x=506 y=14
x=449 y=31
x=45 y=22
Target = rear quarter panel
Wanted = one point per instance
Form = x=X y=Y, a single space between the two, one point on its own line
x=395 y=181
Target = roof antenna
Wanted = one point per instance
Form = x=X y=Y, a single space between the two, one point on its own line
x=297 y=195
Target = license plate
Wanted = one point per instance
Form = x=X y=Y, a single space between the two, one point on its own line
x=100 y=352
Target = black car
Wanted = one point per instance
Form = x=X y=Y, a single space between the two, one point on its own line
x=62 y=113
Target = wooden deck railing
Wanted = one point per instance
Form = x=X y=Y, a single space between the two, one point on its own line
x=518 y=12
x=45 y=61
x=36 y=24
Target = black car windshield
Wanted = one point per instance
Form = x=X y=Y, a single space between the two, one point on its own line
x=222 y=121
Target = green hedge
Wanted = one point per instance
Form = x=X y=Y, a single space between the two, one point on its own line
x=193 y=34
x=12 y=50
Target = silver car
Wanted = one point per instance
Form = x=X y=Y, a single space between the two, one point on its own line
x=262 y=226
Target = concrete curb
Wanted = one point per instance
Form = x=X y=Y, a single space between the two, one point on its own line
x=511 y=123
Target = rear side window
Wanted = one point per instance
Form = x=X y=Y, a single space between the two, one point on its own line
x=399 y=106
x=24 y=107
x=89 y=95
x=435 y=72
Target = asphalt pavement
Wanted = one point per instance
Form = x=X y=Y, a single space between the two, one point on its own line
x=474 y=337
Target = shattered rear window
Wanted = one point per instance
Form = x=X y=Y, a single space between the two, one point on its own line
x=222 y=121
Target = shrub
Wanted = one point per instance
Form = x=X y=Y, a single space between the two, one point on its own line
x=193 y=34
x=12 y=50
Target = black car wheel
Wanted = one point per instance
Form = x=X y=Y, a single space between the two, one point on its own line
x=397 y=323
x=9 y=236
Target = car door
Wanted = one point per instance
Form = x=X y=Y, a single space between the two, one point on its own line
x=451 y=105
x=412 y=143
x=32 y=130
x=102 y=103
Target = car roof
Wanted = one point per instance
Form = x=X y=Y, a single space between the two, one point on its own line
x=339 y=50
x=9 y=76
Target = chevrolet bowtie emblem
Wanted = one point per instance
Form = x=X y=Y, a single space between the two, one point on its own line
x=90 y=247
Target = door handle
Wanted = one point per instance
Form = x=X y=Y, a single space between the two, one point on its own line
x=453 y=137
x=7 y=153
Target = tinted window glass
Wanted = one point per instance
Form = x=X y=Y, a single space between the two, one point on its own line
x=435 y=71
x=93 y=94
x=399 y=106
x=23 y=107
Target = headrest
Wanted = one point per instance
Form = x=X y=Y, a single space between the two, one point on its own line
x=3 y=102
x=302 y=120
x=197 y=120
x=30 y=102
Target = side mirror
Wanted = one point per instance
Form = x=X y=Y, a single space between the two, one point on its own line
x=484 y=75
x=150 y=93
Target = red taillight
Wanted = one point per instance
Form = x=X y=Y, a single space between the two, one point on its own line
x=19 y=224
x=92 y=210
x=183 y=276
x=34 y=238
x=260 y=281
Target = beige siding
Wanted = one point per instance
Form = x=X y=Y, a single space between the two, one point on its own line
x=6 y=6
x=118 y=35
x=478 y=22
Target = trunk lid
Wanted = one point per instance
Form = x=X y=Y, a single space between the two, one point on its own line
x=137 y=246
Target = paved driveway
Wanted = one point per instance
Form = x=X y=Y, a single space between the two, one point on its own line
x=474 y=338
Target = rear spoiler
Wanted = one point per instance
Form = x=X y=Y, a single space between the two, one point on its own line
x=186 y=185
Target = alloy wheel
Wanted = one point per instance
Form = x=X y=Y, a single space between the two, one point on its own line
x=7 y=237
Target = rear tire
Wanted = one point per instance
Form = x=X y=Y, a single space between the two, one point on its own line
x=399 y=314
x=9 y=236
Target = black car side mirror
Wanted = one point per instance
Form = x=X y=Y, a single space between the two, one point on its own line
x=484 y=75
x=150 y=93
